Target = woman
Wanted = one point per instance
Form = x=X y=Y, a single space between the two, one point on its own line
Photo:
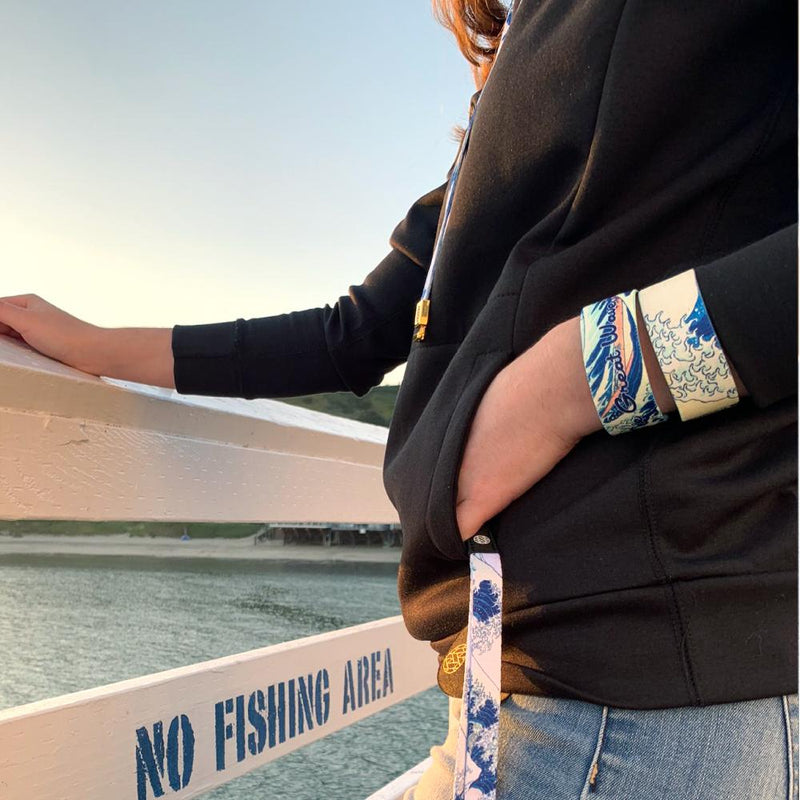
x=649 y=613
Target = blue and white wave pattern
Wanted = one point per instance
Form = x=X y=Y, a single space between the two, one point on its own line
x=476 y=753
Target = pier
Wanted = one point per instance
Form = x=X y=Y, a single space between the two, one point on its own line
x=76 y=447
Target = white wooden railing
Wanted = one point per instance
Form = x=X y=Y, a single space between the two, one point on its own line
x=77 y=447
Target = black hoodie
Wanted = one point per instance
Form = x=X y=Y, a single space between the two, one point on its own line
x=617 y=143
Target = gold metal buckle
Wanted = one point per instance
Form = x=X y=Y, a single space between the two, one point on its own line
x=421 y=319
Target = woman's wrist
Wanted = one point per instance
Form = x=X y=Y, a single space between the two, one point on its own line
x=142 y=355
x=570 y=406
x=655 y=374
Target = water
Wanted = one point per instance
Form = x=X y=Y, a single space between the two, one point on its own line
x=71 y=622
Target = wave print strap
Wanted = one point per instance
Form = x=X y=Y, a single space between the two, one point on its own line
x=697 y=373
x=475 y=776
x=612 y=356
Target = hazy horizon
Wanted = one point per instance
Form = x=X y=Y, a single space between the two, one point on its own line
x=195 y=162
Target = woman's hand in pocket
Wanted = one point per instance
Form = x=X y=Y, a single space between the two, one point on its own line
x=533 y=413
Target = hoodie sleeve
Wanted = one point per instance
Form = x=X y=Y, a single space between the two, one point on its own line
x=349 y=346
x=751 y=297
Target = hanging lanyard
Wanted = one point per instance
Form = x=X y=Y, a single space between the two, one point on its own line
x=475 y=774
x=422 y=314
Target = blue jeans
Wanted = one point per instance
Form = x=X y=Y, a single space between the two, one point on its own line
x=556 y=749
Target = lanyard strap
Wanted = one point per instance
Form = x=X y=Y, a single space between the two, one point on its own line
x=475 y=776
x=423 y=306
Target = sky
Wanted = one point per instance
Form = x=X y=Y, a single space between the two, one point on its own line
x=191 y=161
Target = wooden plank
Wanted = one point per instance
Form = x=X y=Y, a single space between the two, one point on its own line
x=73 y=446
x=185 y=731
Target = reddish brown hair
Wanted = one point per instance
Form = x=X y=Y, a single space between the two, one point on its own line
x=477 y=25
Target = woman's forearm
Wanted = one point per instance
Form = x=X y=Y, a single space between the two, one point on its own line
x=143 y=355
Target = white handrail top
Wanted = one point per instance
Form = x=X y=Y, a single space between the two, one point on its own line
x=85 y=448
x=401 y=784
x=16 y=356
x=274 y=411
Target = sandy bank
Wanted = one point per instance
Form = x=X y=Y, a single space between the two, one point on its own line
x=124 y=545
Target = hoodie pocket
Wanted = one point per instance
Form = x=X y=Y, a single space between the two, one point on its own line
x=442 y=387
x=440 y=514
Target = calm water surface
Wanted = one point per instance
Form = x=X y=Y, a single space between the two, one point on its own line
x=71 y=622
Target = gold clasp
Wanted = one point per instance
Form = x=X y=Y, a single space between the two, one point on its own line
x=421 y=319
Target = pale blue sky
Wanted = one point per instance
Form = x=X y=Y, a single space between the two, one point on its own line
x=184 y=161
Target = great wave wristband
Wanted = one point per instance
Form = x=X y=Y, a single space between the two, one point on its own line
x=612 y=356
x=686 y=345
x=475 y=774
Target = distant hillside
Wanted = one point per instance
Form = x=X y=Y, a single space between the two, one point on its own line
x=375 y=407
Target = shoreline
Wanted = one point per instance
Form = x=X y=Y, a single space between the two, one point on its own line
x=166 y=547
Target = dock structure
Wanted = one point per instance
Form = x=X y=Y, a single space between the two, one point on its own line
x=83 y=448
x=331 y=534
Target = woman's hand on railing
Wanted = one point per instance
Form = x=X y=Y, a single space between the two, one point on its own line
x=48 y=329
x=143 y=355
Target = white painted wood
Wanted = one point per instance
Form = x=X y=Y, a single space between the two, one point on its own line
x=84 y=745
x=400 y=785
x=73 y=446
